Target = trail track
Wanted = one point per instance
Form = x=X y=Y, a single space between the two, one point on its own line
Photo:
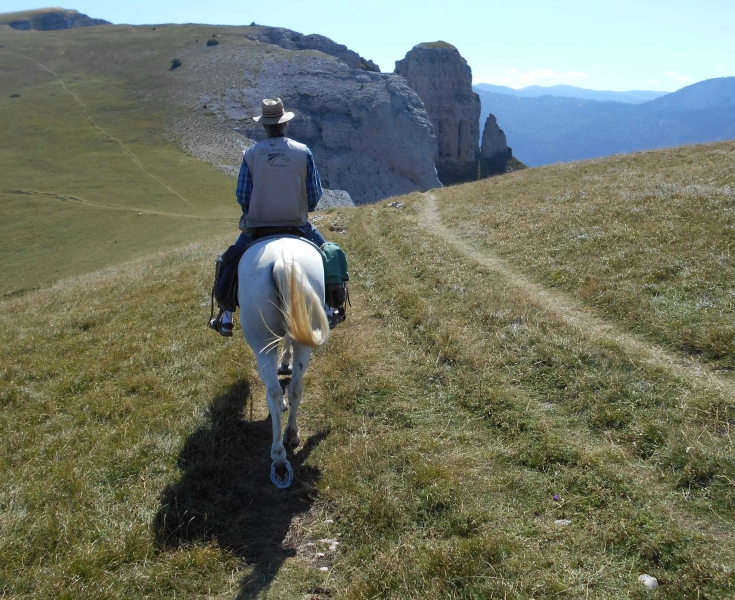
x=572 y=313
x=120 y=207
x=124 y=148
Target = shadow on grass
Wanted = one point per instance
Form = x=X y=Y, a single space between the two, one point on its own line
x=225 y=493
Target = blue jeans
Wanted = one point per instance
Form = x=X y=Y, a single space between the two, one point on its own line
x=311 y=233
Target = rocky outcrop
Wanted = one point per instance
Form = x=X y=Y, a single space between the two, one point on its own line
x=50 y=19
x=368 y=132
x=334 y=199
x=495 y=153
x=292 y=40
x=443 y=81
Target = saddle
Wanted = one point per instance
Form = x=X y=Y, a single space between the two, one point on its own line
x=262 y=232
x=224 y=288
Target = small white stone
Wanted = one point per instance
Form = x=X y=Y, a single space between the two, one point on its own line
x=333 y=546
x=320 y=554
x=650 y=582
x=310 y=545
x=329 y=521
x=324 y=569
x=562 y=522
x=327 y=541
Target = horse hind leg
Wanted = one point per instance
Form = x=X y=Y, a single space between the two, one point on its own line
x=301 y=358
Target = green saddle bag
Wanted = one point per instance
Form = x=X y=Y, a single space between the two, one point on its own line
x=336 y=275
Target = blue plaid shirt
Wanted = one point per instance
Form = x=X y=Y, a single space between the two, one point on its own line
x=244 y=188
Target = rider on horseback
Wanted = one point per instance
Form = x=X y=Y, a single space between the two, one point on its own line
x=277 y=186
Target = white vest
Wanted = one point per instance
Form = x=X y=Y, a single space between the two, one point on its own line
x=278 y=167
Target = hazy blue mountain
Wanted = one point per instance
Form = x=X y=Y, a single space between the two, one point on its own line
x=552 y=129
x=570 y=91
x=710 y=93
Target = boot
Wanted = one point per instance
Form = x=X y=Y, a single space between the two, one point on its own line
x=222 y=323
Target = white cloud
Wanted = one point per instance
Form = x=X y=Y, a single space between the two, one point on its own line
x=541 y=75
x=516 y=79
x=721 y=68
x=675 y=75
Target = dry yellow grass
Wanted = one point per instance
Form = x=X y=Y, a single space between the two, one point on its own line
x=564 y=332
x=439 y=423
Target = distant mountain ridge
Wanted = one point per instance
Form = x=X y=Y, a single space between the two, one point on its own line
x=549 y=129
x=570 y=91
x=48 y=19
x=711 y=93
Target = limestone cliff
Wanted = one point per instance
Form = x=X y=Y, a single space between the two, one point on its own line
x=495 y=152
x=443 y=81
x=292 y=40
x=368 y=131
x=49 y=19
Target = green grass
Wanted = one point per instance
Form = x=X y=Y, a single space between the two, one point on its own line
x=31 y=15
x=84 y=178
x=438 y=44
x=559 y=331
x=438 y=425
x=645 y=238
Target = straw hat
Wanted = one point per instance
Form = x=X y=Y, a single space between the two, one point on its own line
x=273 y=113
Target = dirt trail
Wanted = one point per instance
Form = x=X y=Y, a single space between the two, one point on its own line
x=120 y=207
x=572 y=313
x=124 y=148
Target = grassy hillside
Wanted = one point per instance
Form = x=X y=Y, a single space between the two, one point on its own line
x=645 y=238
x=48 y=19
x=506 y=412
x=88 y=176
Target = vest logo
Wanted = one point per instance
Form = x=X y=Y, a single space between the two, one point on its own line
x=277 y=159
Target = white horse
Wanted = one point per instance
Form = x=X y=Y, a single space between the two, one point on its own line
x=281 y=296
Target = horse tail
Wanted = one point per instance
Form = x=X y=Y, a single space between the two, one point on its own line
x=303 y=314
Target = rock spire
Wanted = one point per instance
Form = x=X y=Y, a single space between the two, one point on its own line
x=443 y=80
x=495 y=152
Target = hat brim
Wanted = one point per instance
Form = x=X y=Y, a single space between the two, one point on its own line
x=274 y=120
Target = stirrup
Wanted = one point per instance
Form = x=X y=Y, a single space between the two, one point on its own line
x=338 y=316
x=224 y=329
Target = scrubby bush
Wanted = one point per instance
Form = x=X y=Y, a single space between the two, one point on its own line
x=212 y=42
x=175 y=64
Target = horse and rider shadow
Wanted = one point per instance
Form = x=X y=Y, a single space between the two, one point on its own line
x=225 y=494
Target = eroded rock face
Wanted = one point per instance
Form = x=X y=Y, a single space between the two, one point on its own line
x=292 y=40
x=334 y=199
x=368 y=132
x=495 y=153
x=443 y=81
x=53 y=19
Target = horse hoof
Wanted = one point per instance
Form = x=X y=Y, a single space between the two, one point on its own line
x=282 y=475
x=292 y=441
x=285 y=370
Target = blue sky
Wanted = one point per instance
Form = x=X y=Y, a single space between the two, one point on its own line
x=598 y=44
